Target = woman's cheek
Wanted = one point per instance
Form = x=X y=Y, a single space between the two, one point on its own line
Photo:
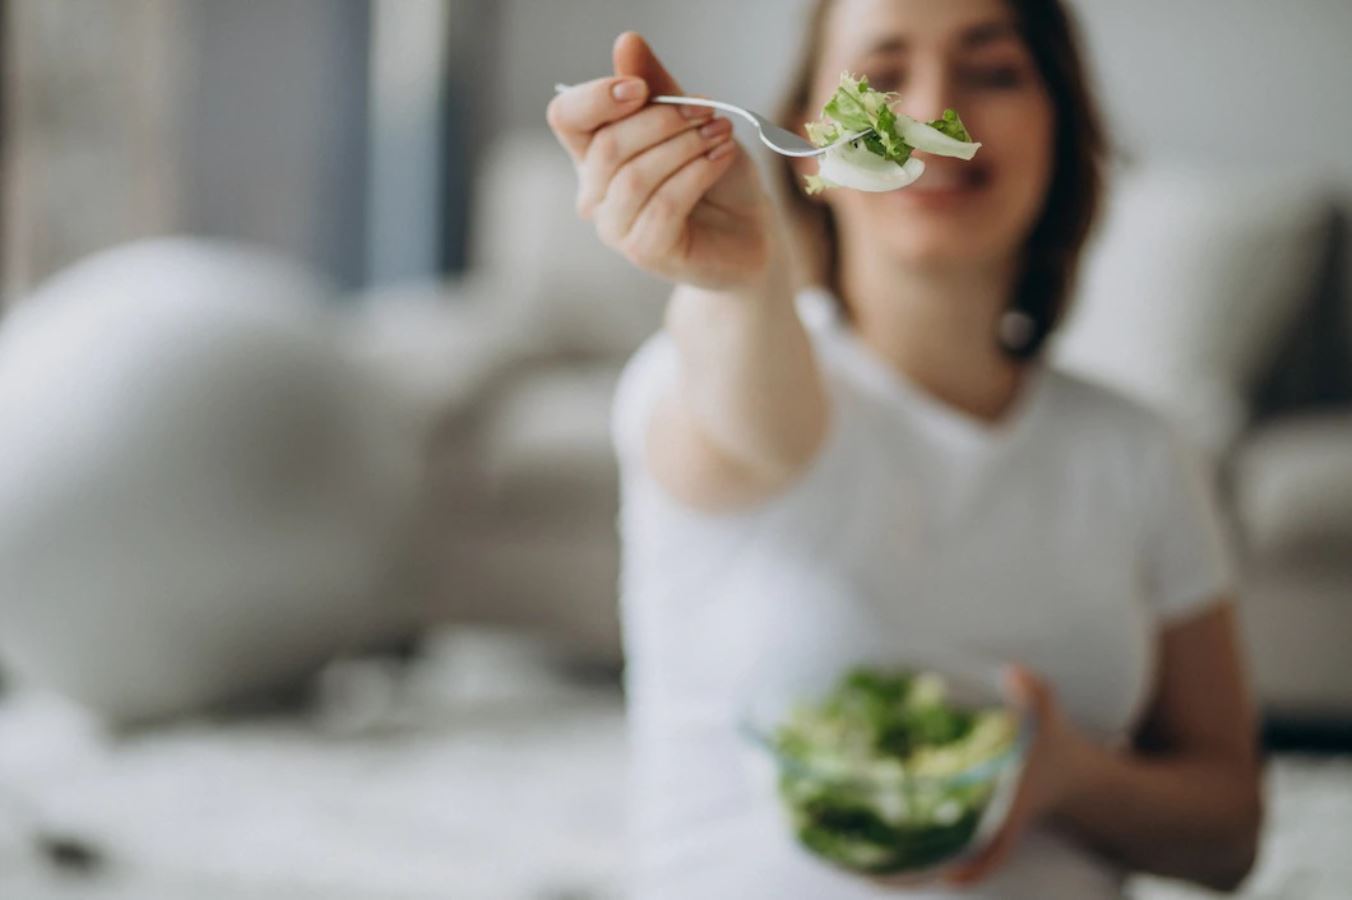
x=1024 y=172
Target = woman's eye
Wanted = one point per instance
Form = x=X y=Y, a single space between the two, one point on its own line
x=993 y=77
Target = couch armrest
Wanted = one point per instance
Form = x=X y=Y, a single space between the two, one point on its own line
x=1293 y=486
x=441 y=346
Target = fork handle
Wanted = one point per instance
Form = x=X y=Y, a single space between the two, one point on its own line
x=710 y=104
x=690 y=101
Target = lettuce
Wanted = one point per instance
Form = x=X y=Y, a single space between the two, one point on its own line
x=849 y=764
x=816 y=183
x=952 y=126
x=857 y=109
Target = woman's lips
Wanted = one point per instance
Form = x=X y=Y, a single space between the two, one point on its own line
x=947 y=183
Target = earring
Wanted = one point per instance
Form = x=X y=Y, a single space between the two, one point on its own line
x=1016 y=330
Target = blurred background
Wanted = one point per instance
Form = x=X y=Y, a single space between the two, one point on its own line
x=307 y=549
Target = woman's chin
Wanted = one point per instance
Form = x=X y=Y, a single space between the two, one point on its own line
x=940 y=247
x=940 y=226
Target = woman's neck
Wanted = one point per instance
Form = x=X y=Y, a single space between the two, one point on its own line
x=938 y=327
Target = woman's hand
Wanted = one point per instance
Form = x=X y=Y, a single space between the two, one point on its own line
x=1048 y=775
x=667 y=187
x=750 y=410
x=1046 y=779
x=1186 y=803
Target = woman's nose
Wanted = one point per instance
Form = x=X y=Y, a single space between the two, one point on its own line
x=928 y=93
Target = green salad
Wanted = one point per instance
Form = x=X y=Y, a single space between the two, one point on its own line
x=879 y=157
x=864 y=773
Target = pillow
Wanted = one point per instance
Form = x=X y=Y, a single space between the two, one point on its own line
x=1294 y=487
x=582 y=298
x=441 y=346
x=1188 y=291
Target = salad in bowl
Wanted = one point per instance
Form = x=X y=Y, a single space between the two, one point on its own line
x=892 y=771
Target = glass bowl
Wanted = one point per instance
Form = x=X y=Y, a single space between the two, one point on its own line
x=878 y=818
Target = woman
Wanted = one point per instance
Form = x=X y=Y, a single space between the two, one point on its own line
x=884 y=466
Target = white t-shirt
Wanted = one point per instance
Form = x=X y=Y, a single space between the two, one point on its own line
x=1063 y=539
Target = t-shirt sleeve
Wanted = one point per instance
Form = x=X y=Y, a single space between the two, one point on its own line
x=650 y=372
x=804 y=512
x=1188 y=564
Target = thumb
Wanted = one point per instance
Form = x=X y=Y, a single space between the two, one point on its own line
x=633 y=56
x=1026 y=690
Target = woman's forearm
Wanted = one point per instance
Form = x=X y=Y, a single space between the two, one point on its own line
x=749 y=379
x=1191 y=818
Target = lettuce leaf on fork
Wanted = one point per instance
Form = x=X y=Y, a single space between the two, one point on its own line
x=952 y=126
x=858 y=109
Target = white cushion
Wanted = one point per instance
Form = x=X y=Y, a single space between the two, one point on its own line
x=583 y=298
x=440 y=345
x=1294 y=487
x=548 y=441
x=1190 y=287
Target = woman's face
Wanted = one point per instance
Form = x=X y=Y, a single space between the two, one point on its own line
x=963 y=54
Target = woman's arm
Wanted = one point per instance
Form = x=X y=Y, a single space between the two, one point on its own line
x=1187 y=803
x=672 y=193
x=750 y=410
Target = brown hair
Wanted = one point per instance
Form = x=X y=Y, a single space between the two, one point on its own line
x=1052 y=253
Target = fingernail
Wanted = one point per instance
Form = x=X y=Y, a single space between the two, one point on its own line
x=628 y=89
x=722 y=150
x=714 y=128
x=695 y=112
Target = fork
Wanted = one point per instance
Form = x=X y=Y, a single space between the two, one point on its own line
x=780 y=140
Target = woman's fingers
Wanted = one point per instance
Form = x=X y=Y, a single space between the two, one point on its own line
x=577 y=113
x=662 y=222
x=615 y=145
x=1028 y=692
x=987 y=862
x=631 y=55
x=641 y=181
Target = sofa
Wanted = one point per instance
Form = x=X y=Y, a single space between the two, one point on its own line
x=467 y=426
x=1221 y=298
x=1218 y=298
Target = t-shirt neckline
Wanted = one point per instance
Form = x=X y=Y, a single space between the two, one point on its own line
x=952 y=426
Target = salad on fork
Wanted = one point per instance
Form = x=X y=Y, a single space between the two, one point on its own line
x=881 y=158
